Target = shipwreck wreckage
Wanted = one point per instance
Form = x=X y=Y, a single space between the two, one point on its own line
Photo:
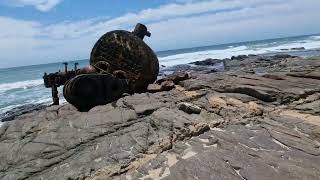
x=120 y=62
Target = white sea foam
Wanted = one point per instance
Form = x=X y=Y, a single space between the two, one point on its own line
x=315 y=37
x=1 y=123
x=20 y=85
x=42 y=98
x=202 y=55
x=307 y=44
x=234 y=51
x=47 y=100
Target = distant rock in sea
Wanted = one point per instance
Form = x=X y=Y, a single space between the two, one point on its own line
x=293 y=49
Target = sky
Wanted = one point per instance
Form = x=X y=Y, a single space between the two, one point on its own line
x=44 y=31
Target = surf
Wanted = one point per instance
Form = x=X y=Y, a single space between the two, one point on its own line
x=21 y=85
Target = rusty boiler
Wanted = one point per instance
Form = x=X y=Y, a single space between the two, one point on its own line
x=120 y=62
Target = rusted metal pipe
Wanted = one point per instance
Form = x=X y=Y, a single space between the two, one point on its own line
x=55 y=97
x=75 y=67
x=65 y=67
x=141 y=31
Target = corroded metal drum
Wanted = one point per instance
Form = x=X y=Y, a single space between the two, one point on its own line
x=125 y=55
x=120 y=63
x=89 y=90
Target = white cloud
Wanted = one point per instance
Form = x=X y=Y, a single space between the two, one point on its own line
x=193 y=23
x=41 y=5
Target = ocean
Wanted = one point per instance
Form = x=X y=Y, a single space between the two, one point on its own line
x=24 y=85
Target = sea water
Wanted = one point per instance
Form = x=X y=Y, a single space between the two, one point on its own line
x=24 y=85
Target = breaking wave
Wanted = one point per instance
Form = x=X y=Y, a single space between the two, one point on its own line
x=315 y=37
x=201 y=55
x=18 y=94
x=20 y=85
x=312 y=42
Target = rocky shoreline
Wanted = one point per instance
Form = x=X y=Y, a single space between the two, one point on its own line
x=257 y=119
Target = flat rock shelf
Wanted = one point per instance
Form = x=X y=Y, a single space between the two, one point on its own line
x=259 y=119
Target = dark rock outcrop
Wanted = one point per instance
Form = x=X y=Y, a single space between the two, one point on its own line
x=207 y=62
x=175 y=77
x=18 y=111
x=298 y=48
x=239 y=58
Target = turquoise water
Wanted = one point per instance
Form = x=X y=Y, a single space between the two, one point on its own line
x=24 y=85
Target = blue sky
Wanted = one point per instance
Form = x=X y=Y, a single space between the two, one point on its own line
x=42 y=31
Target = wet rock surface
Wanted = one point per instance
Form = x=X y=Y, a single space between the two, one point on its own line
x=18 y=111
x=257 y=120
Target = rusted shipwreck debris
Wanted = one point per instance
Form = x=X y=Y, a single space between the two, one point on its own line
x=121 y=62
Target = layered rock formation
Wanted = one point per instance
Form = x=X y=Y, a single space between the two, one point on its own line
x=258 y=120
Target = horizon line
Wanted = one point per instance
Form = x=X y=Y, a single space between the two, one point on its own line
x=163 y=51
